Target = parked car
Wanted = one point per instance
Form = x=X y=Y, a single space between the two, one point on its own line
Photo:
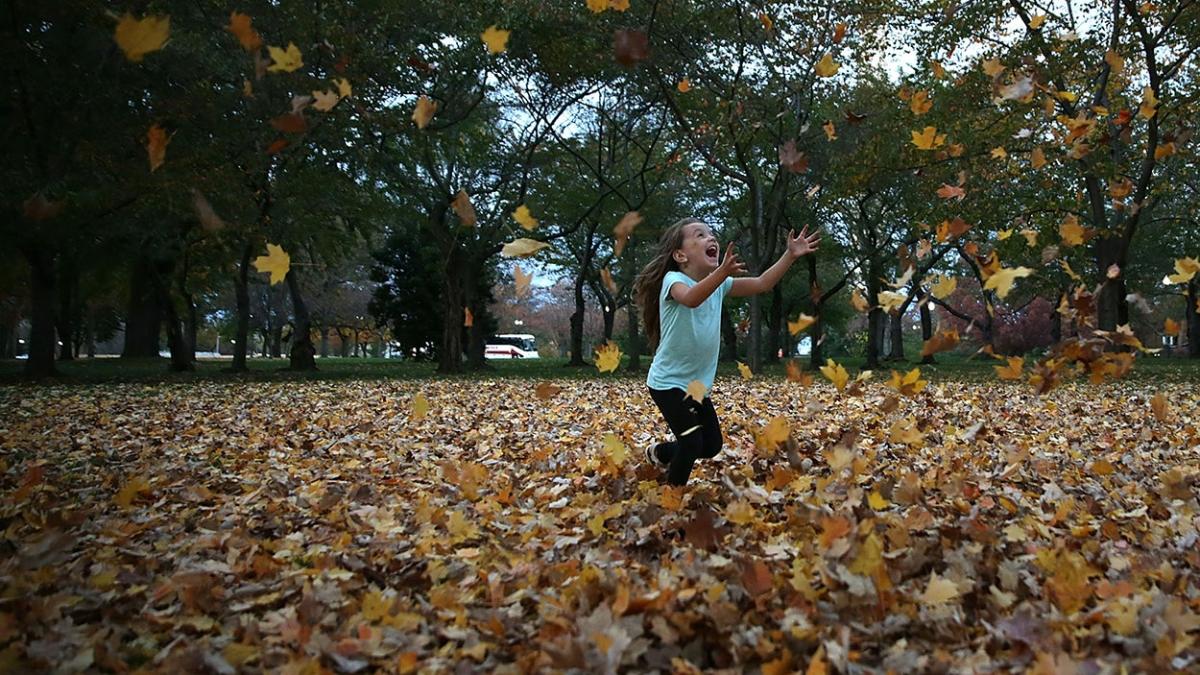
x=511 y=346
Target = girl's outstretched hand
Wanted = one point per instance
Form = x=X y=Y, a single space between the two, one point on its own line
x=803 y=243
x=731 y=266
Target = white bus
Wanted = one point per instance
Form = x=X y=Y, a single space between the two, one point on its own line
x=511 y=346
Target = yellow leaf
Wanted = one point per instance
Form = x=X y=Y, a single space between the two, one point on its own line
x=375 y=605
x=425 y=110
x=1115 y=62
x=1149 y=105
x=156 y=146
x=909 y=384
x=905 y=432
x=999 y=153
x=614 y=449
x=826 y=67
x=128 y=492
x=740 y=512
x=830 y=131
x=138 y=37
x=521 y=279
x=1011 y=371
x=597 y=6
x=890 y=301
x=1002 y=280
x=859 y=302
x=697 y=391
x=745 y=371
x=496 y=39
x=1185 y=269
x=521 y=248
x=876 y=501
x=1004 y=234
x=325 y=100
x=870 y=555
x=343 y=86
x=239 y=25
x=993 y=68
x=524 y=218
x=1037 y=158
x=1035 y=22
x=939 y=591
x=944 y=287
x=1031 y=237
x=420 y=407
x=929 y=139
x=460 y=528
x=775 y=433
x=920 y=103
x=608 y=357
x=803 y=321
x=1071 y=231
x=835 y=373
x=1171 y=326
x=1164 y=151
x=277 y=262
x=619 y=5
x=285 y=60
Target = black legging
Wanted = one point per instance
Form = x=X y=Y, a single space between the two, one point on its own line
x=696 y=428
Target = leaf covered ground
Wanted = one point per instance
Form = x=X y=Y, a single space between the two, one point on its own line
x=317 y=526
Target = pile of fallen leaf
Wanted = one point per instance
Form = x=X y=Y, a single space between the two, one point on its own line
x=454 y=526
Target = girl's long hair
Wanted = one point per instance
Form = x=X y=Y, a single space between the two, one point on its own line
x=648 y=285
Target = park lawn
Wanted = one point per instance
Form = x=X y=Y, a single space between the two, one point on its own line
x=437 y=525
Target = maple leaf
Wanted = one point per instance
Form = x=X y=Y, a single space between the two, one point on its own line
x=835 y=373
x=948 y=191
x=607 y=278
x=839 y=32
x=1164 y=151
x=939 y=71
x=939 y=591
x=876 y=501
x=803 y=321
x=920 y=103
x=928 y=139
x=138 y=37
x=744 y=370
x=239 y=25
x=826 y=66
x=525 y=218
x=999 y=152
x=941 y=341
x=424 y=111
x=1011 y=370
x=774 y=434
x=463 y=208
x=794 y=374
x=521 y=280
x=619 y=5
x=343 y=87
x=944 y=287
x=910 y=384
x=496 y=39
x=1037 y=159
x=130 y=491
x=614 y=449
x=1002 y=280
x=276 y=262
x=623 y=229
x=859 y=303
x=890 y=301
x=1149 y=105
x=1070 y=231
x=522 y=248
x=1031 y=237
x=285 y=60
x=697 y=391
x=740 y=512
x=1185 y=269
x=325 y=100
x=597 y=6
x=156 y=146
x=608 y=357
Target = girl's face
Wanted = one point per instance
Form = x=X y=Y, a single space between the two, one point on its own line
x=700 y=251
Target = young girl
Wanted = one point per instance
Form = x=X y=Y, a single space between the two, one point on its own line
x=680 y=293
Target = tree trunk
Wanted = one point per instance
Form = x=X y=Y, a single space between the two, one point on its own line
x=183 y=356
x=144 y=318
x=1192 y=312
x=241 y=286
x=344 y=342
x=1112 y=309
x=875 y=319
x=41 y=334
x=68 y=298
x=728 y=337
x=926 y=328
x=6 y=340
x=896 y=341
x=577 y=320
x=276 y=339
x=303 y=355
x=635 y=338
x=450 y=352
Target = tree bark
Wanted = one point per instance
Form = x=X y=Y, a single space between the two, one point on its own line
x=577 y=318
x=450 y=353
x=68 y=298
x=143 y=321
x=1112 y=309
x=896 y=338
x=303 y=355
x=324 y=341
x=183 y=357
x=926 y=328
x=275 y=332
x=875 y=319
x=1192 y=311
x=241 y=287
x=41 y=334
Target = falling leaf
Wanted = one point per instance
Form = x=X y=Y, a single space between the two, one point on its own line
x=1070 y=231
x=941 y=341
x=1149 y=105
x=130 y=491
x=1031 y=237
x=876 y=501
x=239 y=25
x=1185 y=269
x=631 y=46
x=944 y=287
x=839 y=32
x=343 y=87
x=793 y=159
x=993 y=68
x=607 y=279
x=920 y=103
x=948 y=191
x=835 y=373
x=424 y=111
x=939 y=71
x=614 y=449
x=826 y=67
x=608 y=357
x=209 y=220
x=774 y=434
x=1036 y=21
x=285 y=60
x=277 y=146
x=794 y=374
x=420 y=408
x=744 y=370
x=138 y=37
x=291 y=123
x=325 y=100
x=277 y=262
x=890 y=301
x=939 y=591
x=1115 y=62
x=697 y=391
x=524 y=218
x=156 y=146
x=999 y=153
x=464 y=209
x=1037 y=159
x=1164 y=151
x=803 y=321
x=623 y=230
x=859 y=303
x=37 y=208
x=1002 y=281
x=1162 y=410
x=546 y=391
x=521 y=279
x=1012 y=369
x=909 y=384
x=830 y=131
x=468 y=318
x=929 y=139
x=496 y=39
x=521 y=248
x=597 y=6
x=767 y=23
x=684 y=86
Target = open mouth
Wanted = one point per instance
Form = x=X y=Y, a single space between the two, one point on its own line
x=712 y=251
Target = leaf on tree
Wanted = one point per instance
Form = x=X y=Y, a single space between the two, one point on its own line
x=630 y=46
x=525 y=218
x=521 y=248
x=138 y=37
x=239 y=25
x=285 y=60
x=276 y=263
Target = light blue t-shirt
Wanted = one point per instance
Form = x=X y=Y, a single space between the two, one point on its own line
x=690 y=339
